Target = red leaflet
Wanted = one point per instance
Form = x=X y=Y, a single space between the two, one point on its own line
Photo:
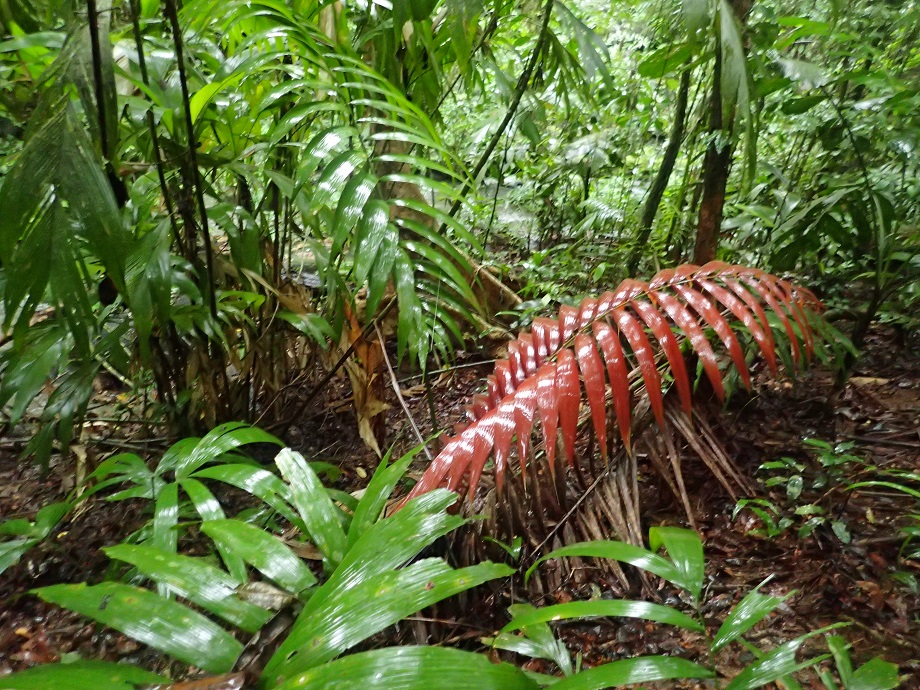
x=671 y=347
x=548 y=405
x=711 y=315
x=524 y=411
x=503 y=430
x=683 y=318
x=569 y=401
x=545 y=337
x=587 y=312
x=516 y=362
x=505 y=380
x=547 y=368
x=568 y=317
x=767 y=295
x=592 y=373
x=645 y=356
x=741 y=311
x=748 y=298
x=617 y=374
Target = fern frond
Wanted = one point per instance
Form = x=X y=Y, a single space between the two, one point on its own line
x=605 y=343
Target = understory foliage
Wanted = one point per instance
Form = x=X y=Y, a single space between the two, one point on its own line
x=217 y=202
x=372 y=577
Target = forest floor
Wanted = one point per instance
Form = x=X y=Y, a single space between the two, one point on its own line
x=865 y=583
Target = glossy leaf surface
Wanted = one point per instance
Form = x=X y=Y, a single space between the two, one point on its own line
x=81 y=675
x=412 y=668
x=164 y=625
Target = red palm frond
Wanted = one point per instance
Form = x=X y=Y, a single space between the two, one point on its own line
x=603 y=350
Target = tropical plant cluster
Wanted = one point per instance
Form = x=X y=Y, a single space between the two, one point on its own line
x=223 y=205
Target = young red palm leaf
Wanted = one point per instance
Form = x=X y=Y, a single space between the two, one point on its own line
x=598 y=344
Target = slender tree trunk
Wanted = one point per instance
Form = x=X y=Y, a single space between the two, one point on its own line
x=660 y=184
x=716 y=167
x=718 y=160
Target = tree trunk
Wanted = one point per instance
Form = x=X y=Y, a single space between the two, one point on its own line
x=660 y=184
x=716 y=167
x=718 y=160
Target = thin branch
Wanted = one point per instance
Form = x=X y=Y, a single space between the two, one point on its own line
x=283 y=427
x=399 y=395
x=521 y=87
x=173 y=15
x=151 y=124
x=93 y=17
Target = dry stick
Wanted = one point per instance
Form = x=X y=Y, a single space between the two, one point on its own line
x=399 y=395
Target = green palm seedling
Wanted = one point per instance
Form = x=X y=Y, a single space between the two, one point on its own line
x=373 y=580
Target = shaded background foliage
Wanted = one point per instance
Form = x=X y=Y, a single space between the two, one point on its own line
x=230 y=183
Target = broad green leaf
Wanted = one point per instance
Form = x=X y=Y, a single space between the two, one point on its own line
x=11 y=551
x=58 y=206
x=410 y=327
x=888 y=485
x=376 y=494
x=42 y=39
x=685 y=548
x=164 y=625
x=124 y=468
x=538 y=641
x=841 y=652
x=348 y=616
x=735 y=90
x=82 y=675
x=45 y=521
x=619 y=551
x=356 y=194
x=777 y=663
x=203 y=96
x=334 y=177
x=603 y=608
x=260 y=483
x=875 y=674
x=165 y=521
x=697 y=19
x=643 y=669
x=313 y=504
x=192 y=578
x=382 y=270
x=375 y=223
x=220 y=440
x=806 y=73
x=797 y=106
x=389 y=544
x=28 y=371
x=31 y=532
x=664 y=61
x=263 y=551
x=412 y=668
x=748 y=613
x=209 y=508
x=443 y=269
